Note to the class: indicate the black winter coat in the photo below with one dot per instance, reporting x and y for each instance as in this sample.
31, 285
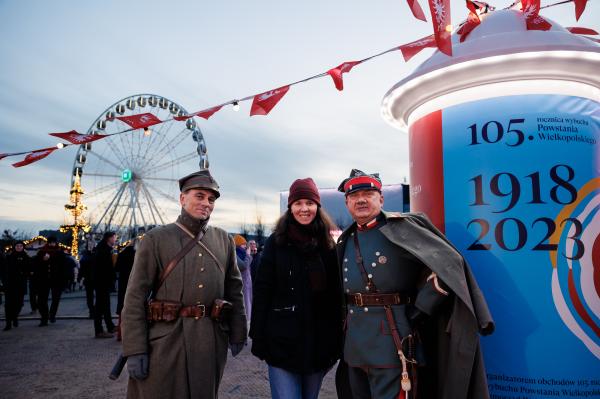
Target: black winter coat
296, 325
103, 272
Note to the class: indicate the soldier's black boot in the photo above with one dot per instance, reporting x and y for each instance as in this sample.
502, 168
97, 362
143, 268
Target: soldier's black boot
8, 325
16, 322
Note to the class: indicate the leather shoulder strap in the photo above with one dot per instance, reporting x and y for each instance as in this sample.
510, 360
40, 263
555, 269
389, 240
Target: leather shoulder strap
171, 265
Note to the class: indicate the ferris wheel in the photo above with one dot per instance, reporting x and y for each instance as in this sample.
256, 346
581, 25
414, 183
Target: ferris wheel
130, 179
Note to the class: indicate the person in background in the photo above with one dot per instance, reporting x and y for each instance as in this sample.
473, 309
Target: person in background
296, 322
50, 276
86, 263
243, 261
14, 281
255, 254
103, 279
123, 268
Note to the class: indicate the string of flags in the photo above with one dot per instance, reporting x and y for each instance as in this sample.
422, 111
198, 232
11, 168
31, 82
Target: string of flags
263, 103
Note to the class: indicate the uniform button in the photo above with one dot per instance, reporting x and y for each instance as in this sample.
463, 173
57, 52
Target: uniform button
345, 259
201, 269
367, 288
370, 276
373, 264
366, 309
377, 253
345, 269
345, 279
351, 311
292, 288
200, 285
200, 254
347, 289
352, 234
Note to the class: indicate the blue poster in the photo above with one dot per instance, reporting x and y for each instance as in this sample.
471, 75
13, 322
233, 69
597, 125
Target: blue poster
522, 200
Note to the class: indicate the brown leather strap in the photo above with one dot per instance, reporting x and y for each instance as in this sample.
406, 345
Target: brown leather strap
370, 285
171, 265
360, 299
196, 311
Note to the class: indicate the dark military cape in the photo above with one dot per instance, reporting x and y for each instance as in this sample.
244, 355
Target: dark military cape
460, 367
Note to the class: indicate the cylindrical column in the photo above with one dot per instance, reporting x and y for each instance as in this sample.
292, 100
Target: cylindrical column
505, 158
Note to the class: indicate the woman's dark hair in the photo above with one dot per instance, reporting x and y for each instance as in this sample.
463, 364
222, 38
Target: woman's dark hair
321, 226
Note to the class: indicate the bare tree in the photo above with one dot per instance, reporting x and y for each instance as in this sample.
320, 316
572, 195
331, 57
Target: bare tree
259, 230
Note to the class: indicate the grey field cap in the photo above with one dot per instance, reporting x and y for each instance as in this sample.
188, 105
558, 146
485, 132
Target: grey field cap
200, 179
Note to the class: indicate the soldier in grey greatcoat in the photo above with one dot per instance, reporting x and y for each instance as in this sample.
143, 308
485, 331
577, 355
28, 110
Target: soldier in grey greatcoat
414, 309
183, 357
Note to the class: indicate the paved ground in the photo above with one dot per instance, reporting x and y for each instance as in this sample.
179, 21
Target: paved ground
63, 360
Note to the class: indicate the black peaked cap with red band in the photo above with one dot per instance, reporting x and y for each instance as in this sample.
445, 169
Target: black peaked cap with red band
359, 180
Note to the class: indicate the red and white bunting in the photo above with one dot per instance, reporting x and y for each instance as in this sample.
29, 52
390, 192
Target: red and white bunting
263, 103
593, 39
416, 10
579, 8
479, 7
531, 10
411, 49
442, 24
470, 24
74, 137
581, 31
140, 121
337, 72
205, 113
35, 156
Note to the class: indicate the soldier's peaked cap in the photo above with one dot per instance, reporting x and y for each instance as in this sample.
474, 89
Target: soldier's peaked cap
359, 180
200, 179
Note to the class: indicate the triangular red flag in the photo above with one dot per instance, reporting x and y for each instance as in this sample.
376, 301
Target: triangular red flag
470, 24
416, 9
337, 72
479, 7
74, 137
531, 10
263, 103
442, 24
140, 121
34, 156
579, 8
581, 31
205, 113
411, 49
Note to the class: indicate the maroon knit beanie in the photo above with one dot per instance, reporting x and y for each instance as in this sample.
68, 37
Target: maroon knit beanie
304, 189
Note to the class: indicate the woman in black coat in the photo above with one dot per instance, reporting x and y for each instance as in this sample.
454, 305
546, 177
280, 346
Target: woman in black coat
296, 322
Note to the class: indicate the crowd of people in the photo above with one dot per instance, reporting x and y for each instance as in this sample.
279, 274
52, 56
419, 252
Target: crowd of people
391, 302
52, 271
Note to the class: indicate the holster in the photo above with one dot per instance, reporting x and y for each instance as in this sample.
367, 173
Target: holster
163, 310
221, 310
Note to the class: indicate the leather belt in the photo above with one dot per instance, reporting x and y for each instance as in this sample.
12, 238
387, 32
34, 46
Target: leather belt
196, 311
360, 299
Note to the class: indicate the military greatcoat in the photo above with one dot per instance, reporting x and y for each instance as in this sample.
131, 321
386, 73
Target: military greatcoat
186, 356
410, 242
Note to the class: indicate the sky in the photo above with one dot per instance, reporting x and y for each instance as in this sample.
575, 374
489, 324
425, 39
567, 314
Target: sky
65, 62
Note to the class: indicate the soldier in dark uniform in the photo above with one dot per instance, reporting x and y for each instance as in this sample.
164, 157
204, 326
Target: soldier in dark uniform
403, 281
50, 276
14, 280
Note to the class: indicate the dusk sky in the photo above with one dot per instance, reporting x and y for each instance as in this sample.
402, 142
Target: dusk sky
65, 62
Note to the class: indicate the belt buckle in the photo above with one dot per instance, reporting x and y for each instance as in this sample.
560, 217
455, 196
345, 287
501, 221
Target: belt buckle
202, 308
359, 299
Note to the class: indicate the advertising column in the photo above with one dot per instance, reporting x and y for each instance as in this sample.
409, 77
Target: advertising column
515, 183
